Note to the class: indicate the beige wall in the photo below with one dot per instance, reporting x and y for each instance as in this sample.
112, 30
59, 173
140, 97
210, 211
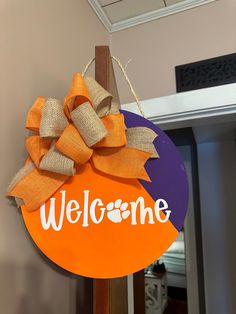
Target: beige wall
42, 44
157, 47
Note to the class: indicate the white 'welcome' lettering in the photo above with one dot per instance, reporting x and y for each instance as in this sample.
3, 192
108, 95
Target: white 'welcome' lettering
94, 211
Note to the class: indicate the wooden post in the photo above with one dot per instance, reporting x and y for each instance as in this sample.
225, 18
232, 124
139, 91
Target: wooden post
101, 296
104, 71
109, 295
139, 292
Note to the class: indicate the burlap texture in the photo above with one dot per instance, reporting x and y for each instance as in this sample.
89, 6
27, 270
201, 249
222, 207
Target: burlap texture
142, 138
72, 145
125, 162
115, 108
115, 125
78, 94
98, 133
34, 115
36, 187
37, 147
26, 169
54, 161
19, 202
53, 120
88, 124
100, 97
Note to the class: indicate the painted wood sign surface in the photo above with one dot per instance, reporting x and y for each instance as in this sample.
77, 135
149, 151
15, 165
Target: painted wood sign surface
117, 203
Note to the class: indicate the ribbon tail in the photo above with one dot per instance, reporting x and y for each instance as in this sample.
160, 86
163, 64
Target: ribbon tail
35, 186
142, 138
125, 162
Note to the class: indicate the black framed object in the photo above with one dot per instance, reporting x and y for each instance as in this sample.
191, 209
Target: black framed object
206, 73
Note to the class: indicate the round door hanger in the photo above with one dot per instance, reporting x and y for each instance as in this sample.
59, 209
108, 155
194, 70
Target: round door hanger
102, 226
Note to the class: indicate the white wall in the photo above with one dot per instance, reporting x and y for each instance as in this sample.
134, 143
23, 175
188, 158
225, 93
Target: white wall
217, 175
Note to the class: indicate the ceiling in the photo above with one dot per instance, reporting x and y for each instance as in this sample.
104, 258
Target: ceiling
120, 14
119, 10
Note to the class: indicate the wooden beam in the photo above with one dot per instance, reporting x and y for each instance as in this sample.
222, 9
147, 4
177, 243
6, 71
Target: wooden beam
84, 295
104, 71
139, 292
101, 296
109, 295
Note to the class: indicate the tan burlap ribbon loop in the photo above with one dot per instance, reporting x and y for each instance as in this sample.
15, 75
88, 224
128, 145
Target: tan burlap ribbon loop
100, 97
53, 120
88, 124
115, 108
54, 161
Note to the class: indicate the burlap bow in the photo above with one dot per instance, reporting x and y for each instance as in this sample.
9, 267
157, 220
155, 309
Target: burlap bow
89, 127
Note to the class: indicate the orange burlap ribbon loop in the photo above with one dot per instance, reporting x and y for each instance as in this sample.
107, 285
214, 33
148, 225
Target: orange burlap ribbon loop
88, 127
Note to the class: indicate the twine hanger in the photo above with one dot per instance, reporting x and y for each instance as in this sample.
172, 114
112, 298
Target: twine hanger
125, 76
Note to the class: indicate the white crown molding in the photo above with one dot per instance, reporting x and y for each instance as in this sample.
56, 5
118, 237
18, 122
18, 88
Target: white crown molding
101, 14
146, 17
189, 109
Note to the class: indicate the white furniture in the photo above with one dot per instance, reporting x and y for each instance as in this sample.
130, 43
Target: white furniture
174, 260
155, 293
190, 109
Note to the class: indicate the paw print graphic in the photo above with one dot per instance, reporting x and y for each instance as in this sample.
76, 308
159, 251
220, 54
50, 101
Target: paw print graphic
117, 211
